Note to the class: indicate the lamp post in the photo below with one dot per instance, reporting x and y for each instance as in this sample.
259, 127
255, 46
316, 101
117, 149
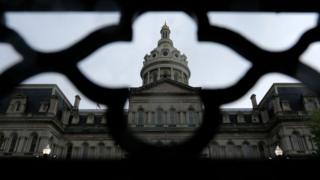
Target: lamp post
280, 154
278, 151
46, 151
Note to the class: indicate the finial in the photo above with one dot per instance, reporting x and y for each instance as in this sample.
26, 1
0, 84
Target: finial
165, 26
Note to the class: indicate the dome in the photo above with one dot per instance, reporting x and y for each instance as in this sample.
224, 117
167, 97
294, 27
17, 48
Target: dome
165, 61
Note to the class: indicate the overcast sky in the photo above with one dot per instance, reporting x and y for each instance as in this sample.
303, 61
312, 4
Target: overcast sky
119, 64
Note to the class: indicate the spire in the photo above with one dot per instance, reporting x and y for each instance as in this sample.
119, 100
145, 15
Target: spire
165, 35
165, 31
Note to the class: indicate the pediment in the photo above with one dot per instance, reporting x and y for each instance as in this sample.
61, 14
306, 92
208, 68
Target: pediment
166, 87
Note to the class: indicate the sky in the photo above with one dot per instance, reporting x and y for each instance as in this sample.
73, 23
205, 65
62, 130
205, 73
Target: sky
119, 64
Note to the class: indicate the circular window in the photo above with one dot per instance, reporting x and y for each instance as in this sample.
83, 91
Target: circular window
154, 55
176, 55
165, 53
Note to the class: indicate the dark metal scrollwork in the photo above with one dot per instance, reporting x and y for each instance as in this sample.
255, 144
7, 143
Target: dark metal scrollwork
65, 62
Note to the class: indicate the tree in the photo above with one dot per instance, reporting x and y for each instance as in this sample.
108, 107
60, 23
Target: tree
314, 124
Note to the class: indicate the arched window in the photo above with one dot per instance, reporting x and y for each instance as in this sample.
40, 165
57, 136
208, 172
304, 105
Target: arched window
230, 149
85, 150
140, 117
261, 146
101, 150
34, 140
176, 76
172, 117
154, 75
69, 150
215, 150
153, 118
160, 116
93, 152
108, 152
298, 141
1, 141
14, 138
247, 150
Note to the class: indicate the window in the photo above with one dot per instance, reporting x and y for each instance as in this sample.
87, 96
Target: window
34, 139
160, 116
230, 150
140, 117
85, 150
14, 138
69, 150
153, 118
215, 150
176, 76
192, 116
233, 118
101, 150
261, 149
133, 118
247, 150
298, 142
247, 118
154, 75
172, 117
92, 152
108, 151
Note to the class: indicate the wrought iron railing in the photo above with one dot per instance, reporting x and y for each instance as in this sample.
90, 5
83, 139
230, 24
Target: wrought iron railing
65, 61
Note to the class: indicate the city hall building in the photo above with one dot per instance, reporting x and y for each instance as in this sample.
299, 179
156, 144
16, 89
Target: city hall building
164, 110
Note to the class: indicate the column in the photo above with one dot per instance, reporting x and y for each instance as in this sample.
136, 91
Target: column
171, 72
158, 73
148, 77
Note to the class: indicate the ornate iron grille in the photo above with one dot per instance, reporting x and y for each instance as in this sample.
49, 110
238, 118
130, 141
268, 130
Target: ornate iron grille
65, 61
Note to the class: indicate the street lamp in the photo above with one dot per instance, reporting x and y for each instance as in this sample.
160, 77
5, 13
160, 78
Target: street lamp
46, 151
278, 151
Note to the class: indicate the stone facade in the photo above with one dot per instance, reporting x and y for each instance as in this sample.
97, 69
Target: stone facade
164, 110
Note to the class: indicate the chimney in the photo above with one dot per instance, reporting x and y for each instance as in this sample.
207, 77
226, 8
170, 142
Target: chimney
254, 101
76, 102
